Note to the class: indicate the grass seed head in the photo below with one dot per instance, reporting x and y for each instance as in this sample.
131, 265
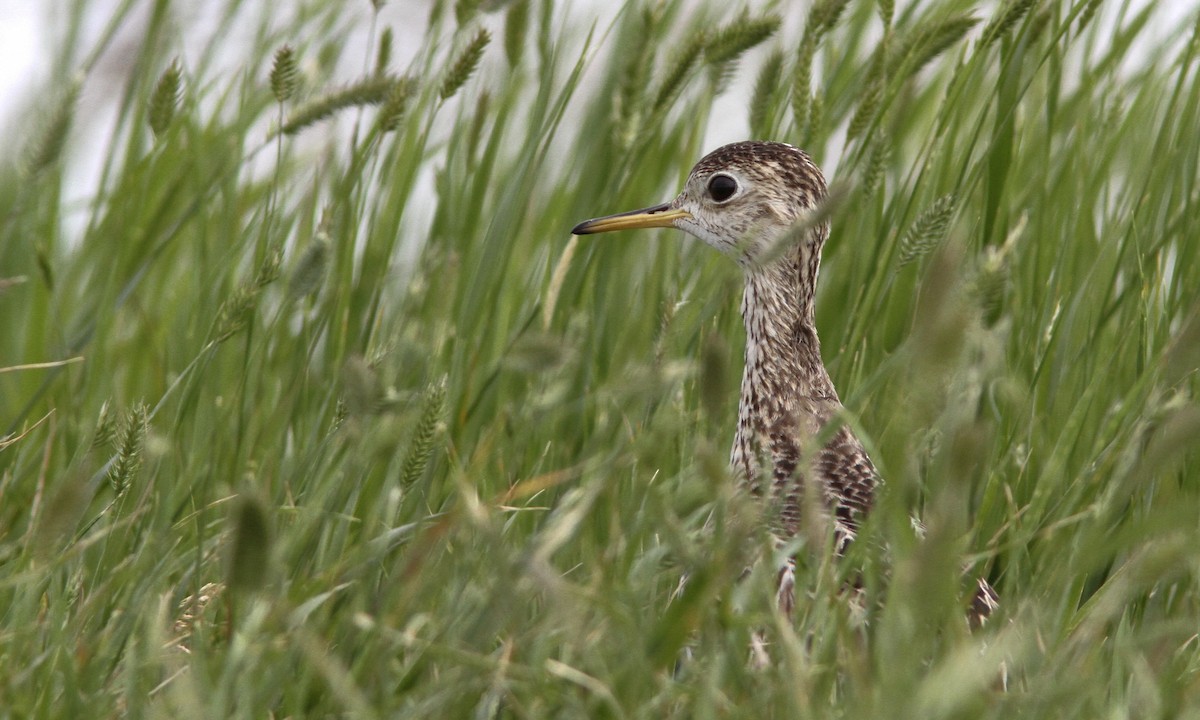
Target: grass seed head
285, 74
383, 56
739, 36
165, 99
395, 104
1011, 14
48, 145
868, 104
802, 81
309, 273
371, 91
927, 230
420, 448
766, 94
464, 64
516, 27
129, 454
106, 428
887, 10
825, 14
929, 40
679, 71
881, 152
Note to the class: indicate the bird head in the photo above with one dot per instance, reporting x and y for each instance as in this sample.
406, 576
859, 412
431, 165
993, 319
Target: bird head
753, 201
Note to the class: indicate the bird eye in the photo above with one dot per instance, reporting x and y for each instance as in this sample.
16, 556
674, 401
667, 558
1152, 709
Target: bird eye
721, 187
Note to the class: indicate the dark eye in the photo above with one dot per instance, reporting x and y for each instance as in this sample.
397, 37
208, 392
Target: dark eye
721, 187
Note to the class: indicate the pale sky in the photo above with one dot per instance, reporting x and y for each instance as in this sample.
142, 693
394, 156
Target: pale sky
24, 31
20, 27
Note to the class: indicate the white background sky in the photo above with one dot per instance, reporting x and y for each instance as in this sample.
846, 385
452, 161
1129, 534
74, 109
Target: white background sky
21, 22
26, 34
23, 33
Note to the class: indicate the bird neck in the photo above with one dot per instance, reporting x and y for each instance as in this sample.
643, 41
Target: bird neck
786, 392
783, 352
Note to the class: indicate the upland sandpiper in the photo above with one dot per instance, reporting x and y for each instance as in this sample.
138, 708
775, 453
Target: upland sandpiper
760, 204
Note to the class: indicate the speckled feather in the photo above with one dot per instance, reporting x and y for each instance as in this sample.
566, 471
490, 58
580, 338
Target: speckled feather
787, 396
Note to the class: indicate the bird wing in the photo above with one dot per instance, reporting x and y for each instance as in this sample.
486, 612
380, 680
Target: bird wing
849, 478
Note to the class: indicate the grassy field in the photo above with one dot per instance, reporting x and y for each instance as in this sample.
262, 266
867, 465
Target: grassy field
310, 406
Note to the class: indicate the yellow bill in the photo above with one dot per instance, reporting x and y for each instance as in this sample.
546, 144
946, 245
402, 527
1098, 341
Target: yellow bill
651, 217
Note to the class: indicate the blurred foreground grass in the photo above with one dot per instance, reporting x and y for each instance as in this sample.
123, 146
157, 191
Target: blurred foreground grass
339, 421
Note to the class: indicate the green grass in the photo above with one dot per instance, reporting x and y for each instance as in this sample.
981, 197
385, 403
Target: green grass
428, 457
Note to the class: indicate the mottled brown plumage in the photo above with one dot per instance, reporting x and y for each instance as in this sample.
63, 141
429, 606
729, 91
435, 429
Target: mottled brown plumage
755, 202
